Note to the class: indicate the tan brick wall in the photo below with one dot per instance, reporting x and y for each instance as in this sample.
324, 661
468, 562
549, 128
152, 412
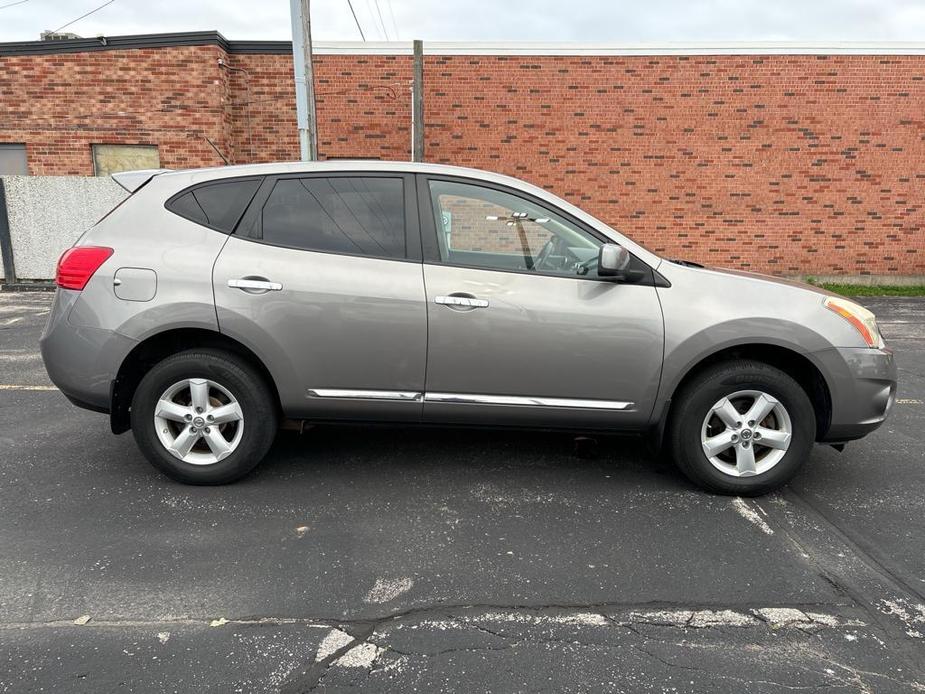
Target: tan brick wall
783, 164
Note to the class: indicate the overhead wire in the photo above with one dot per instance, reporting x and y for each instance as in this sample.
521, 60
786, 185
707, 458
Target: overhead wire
94, 10
355, 19
381, 22
394, 23
12, 4
372, 15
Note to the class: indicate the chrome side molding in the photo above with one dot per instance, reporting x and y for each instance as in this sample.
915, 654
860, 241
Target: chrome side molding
527, 401
469, 398
406, 395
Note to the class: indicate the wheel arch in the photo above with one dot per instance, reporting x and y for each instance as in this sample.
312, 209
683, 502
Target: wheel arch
797, 364
157, 347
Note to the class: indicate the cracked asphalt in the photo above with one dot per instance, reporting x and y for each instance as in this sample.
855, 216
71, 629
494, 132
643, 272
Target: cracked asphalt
373, 559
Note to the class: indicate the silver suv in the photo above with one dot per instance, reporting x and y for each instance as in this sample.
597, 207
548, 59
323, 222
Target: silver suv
213, 304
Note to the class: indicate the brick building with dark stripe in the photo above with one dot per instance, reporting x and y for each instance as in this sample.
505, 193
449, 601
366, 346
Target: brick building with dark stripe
786, 159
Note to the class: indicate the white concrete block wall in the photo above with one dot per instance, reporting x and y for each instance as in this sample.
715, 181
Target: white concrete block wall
47, 214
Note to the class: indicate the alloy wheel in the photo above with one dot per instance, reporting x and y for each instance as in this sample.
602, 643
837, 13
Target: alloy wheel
746, 433
199, 421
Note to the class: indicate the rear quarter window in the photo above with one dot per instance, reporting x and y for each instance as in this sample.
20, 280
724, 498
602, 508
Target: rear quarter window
216, 205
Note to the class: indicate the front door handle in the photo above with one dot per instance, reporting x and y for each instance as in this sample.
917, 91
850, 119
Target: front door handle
255, 284
463, 301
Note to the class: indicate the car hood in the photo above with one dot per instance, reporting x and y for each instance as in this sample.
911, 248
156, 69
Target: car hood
758, 277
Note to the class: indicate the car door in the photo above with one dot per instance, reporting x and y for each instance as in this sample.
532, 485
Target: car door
322, 280
521, 329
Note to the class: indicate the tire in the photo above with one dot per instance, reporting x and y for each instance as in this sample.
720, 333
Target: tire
696, 426
163, 413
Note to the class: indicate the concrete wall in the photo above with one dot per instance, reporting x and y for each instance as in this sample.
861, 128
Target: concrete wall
47, 214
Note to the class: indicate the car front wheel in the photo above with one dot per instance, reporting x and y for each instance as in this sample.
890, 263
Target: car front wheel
203, 417
742, 427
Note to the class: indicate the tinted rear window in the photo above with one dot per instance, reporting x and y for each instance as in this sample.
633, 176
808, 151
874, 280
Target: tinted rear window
360, 215
217, 205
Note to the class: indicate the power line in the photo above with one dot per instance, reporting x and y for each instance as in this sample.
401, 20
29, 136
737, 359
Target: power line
352, 11
11, 4
381, 23
372, 16
394, 24
97, 9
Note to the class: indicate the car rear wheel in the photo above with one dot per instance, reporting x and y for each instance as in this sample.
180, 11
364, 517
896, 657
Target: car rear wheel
203, 417
742, 427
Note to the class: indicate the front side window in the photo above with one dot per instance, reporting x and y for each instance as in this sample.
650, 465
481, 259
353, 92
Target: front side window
359, 215
484, 227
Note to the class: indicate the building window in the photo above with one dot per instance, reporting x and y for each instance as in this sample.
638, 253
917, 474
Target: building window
110, 159
13, 160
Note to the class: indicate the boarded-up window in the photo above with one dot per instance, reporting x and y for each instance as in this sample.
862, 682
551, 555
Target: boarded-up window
110, 159
13, 160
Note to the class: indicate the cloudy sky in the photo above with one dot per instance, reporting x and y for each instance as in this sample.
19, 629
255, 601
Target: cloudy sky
500, 20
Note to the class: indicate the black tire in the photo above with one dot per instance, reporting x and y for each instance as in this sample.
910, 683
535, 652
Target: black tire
697, 397
240, 379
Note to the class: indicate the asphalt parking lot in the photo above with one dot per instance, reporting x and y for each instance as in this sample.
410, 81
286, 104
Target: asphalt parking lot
376, 559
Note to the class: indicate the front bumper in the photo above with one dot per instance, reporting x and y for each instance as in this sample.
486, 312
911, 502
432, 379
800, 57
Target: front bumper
862, 384
81, 361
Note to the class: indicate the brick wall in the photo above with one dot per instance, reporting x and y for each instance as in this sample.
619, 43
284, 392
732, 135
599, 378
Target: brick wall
783, 164
787, 164
363, 106
60, 104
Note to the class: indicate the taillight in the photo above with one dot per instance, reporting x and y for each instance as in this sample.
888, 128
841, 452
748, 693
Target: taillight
78, 264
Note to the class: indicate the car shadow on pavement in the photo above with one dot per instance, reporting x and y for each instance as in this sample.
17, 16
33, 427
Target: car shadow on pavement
368, 449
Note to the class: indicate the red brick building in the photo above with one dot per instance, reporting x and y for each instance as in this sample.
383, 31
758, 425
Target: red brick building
790, 160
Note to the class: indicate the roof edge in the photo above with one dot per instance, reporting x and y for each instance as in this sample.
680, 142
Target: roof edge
474, 48
104, 43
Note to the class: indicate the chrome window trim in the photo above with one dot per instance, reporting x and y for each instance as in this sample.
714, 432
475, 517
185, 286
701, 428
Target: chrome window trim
478, 399
404, 395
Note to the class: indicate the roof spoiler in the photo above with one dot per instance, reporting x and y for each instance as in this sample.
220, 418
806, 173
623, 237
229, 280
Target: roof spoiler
133, 180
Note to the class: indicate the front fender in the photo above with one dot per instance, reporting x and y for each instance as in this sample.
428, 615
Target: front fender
708, 311
684, 355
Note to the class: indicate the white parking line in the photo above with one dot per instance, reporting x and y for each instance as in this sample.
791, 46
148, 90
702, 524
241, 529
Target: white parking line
21, 356
16, 386
748, 513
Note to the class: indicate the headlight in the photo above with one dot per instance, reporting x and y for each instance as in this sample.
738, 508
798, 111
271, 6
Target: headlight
863, 320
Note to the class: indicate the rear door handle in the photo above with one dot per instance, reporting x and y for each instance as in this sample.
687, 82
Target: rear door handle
460, 301
253, 284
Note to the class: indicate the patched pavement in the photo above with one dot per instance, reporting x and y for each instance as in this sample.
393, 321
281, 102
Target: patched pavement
377, 559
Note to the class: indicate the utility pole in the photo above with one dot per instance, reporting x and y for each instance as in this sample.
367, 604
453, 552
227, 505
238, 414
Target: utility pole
417, 103
304, 78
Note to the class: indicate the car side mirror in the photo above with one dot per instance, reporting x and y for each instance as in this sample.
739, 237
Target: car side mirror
613, 261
